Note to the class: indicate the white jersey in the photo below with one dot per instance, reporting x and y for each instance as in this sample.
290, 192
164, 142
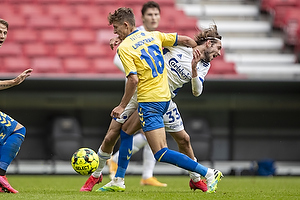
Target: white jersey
178, 62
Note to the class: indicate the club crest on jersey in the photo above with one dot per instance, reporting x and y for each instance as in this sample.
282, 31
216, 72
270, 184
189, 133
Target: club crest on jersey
178, 69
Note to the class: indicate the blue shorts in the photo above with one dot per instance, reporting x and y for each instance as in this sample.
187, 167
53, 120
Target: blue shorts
151, 114
7, 126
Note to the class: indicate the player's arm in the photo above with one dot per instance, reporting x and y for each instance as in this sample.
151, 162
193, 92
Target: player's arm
196, 81
186, 41
130, 87
16, 81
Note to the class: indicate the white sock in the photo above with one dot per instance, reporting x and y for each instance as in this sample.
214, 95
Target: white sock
194, 175
148, 162
103, 157
210, 172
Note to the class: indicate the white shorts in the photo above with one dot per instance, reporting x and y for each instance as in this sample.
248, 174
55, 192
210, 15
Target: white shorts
130, 108
172, 118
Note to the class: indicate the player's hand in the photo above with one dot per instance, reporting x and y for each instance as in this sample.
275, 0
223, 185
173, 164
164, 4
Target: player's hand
196, 57
19, 79
114, 42
116, 112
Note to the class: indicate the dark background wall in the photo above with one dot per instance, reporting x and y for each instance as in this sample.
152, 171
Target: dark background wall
247, 120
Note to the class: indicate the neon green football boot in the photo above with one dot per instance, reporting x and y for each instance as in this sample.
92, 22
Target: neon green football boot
116, 185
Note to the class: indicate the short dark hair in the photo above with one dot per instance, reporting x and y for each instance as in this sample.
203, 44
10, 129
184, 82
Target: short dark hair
121, 15
2, 21
150, 4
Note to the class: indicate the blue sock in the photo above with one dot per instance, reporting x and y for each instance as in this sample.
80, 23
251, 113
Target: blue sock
125, 153
180, 160
11, 147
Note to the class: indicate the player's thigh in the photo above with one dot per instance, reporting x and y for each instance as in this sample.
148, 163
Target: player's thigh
156, 139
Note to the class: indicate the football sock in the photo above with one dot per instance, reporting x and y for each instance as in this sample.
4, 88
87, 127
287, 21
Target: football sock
11, 147
139, 141
180, 160
194, 175
125, 153
103, 157
148, 162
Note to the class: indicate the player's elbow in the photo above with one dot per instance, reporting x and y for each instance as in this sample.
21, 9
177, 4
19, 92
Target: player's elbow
197, 93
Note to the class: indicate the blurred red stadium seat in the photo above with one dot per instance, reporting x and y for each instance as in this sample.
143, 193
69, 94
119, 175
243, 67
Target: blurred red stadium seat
71, 22
269, 5
47, 65
42, 22
98, 21
95, 50
104, 35
30, 9
59, 10
66, 50
15, 21
89, 10
83, 36
222, 67
106, 2
7, 9
16, 64
25, 36
105, 65
36, 49
53, 36
76, 1
50, 1
77, 65
10, 49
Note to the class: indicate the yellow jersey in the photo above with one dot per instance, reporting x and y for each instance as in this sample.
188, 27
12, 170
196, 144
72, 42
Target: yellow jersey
141, 54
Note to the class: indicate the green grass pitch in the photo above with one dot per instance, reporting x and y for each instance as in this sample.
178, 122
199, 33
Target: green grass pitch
65, 187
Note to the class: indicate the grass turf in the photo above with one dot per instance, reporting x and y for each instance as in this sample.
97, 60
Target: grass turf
56, 187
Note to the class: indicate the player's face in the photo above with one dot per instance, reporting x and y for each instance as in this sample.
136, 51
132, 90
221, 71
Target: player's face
212, 51
151, 19
3, 34
122, 29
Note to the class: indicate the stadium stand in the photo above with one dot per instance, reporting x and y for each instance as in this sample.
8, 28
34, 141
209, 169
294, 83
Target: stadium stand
64, 27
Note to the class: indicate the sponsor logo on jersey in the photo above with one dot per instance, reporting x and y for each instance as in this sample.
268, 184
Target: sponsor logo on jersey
178, 69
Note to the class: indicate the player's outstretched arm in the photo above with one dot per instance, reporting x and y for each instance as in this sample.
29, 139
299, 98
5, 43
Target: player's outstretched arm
16, 81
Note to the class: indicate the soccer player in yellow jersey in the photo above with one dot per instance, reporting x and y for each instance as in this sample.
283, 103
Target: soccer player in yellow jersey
141, 56
12, 133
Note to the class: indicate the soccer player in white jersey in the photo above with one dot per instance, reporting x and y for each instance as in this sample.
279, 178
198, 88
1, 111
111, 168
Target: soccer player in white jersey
150, 17
183, 66
12, 133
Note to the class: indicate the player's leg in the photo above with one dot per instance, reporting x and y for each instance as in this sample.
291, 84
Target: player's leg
156, 138
139, 141
148, 167
9, 148
104, 153
106, 148
174, 126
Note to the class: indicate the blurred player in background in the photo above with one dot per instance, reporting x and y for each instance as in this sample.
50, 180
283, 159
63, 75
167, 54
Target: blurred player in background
150, 17
183, 66
12, 133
